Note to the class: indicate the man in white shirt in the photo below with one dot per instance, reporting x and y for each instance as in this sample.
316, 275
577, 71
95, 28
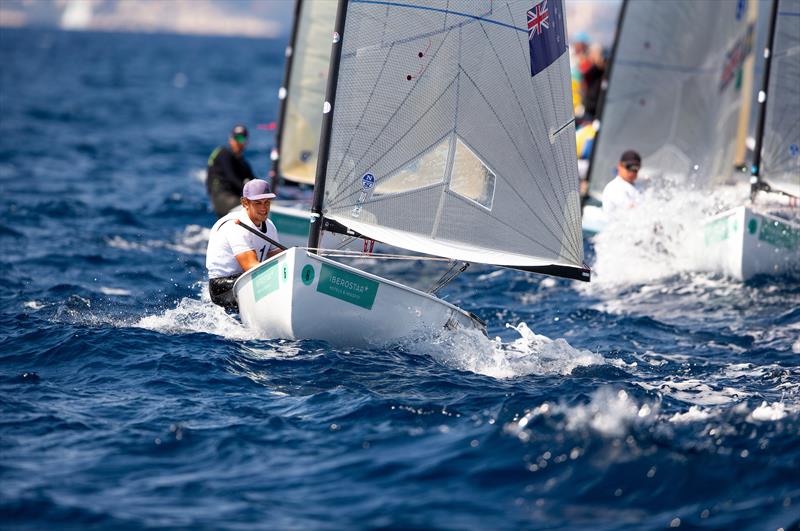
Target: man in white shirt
233, 249
621, 193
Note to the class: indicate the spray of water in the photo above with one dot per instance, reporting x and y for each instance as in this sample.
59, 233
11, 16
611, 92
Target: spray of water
530, 354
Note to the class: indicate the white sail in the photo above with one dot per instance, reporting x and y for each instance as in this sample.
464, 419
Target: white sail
675, 93
449, 139
780, 153
306, 91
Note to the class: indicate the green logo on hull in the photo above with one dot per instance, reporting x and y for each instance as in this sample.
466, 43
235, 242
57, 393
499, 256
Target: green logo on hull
265, 280
347, 286
779, 234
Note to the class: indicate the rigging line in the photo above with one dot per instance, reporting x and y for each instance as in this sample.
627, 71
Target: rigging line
440, 10
448, 276
397, 110
573, 239
522, 157
416, 37
666, 67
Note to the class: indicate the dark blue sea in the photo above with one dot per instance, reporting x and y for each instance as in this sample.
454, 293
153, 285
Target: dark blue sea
128, 400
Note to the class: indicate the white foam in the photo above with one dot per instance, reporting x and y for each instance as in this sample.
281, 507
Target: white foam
192, 240
659, 238
34, 305
768, 412
694, 391
192, 315
530, 354
114, 291
695, 414
610, 413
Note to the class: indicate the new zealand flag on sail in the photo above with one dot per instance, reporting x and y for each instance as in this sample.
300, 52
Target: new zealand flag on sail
546, 35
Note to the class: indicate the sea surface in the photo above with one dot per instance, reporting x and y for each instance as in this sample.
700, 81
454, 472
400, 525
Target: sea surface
655, 397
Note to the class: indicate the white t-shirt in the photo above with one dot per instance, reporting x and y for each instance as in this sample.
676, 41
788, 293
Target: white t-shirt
619, 195
228, 239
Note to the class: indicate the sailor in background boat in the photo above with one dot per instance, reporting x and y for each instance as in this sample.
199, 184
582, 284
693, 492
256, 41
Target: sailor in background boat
233, 249
621, 193
228, 171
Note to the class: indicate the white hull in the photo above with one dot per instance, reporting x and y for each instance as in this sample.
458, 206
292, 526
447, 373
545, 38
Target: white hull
743, 243
299, 295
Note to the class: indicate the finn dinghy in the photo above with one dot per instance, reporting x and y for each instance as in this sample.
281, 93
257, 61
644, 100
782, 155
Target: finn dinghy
685, 104
447, 132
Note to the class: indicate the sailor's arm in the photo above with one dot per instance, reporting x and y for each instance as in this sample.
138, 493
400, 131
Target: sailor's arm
247, 260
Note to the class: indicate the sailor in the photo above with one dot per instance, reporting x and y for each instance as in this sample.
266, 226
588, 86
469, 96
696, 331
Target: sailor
232, 249
228, 171
621, 193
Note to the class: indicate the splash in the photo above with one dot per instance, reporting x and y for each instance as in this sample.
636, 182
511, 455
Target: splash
661, 237
200, 316
609, 413
530, 354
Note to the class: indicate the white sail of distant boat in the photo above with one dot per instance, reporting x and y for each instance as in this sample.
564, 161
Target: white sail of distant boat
780, 150
77, 15
447, 131
308, 60
294, 157
675, 93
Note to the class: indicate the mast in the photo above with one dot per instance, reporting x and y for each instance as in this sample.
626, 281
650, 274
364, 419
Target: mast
603, 90
275, 155
756, 183
327, 125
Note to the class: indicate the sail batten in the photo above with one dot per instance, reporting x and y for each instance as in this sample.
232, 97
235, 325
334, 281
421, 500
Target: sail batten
456, 125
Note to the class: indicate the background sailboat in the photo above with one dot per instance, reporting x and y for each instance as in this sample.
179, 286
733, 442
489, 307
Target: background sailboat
684, 104
447, 132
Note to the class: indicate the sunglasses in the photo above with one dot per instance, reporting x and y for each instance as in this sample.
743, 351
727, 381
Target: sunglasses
632, 167
241, 139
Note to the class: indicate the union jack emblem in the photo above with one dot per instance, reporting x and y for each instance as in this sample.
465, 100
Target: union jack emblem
537, 19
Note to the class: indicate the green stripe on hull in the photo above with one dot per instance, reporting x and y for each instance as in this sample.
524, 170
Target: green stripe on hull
779, 234
294, 225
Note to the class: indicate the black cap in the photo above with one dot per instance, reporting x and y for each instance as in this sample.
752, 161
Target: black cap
239, 130
630, 156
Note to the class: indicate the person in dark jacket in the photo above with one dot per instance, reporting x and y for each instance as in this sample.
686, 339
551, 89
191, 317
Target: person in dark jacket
228, 171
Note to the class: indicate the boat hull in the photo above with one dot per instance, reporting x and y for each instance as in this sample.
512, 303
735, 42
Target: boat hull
300, 295
743, 243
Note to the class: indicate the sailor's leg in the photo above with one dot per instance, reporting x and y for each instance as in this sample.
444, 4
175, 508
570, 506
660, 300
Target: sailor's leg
221, 291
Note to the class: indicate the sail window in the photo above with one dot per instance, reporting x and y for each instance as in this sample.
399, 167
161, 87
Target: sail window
426, 170
471, 178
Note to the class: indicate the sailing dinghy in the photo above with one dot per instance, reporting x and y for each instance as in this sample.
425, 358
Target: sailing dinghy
684, 105
447, 132
763, 235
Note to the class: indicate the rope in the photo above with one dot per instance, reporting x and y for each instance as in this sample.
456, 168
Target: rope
448, 276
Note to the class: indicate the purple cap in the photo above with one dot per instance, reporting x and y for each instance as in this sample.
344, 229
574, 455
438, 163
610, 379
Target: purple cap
257, 189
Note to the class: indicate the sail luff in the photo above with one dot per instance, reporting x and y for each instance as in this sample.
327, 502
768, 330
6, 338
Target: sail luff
779, 167
601, 101
282, 94
327, 126
756, 180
